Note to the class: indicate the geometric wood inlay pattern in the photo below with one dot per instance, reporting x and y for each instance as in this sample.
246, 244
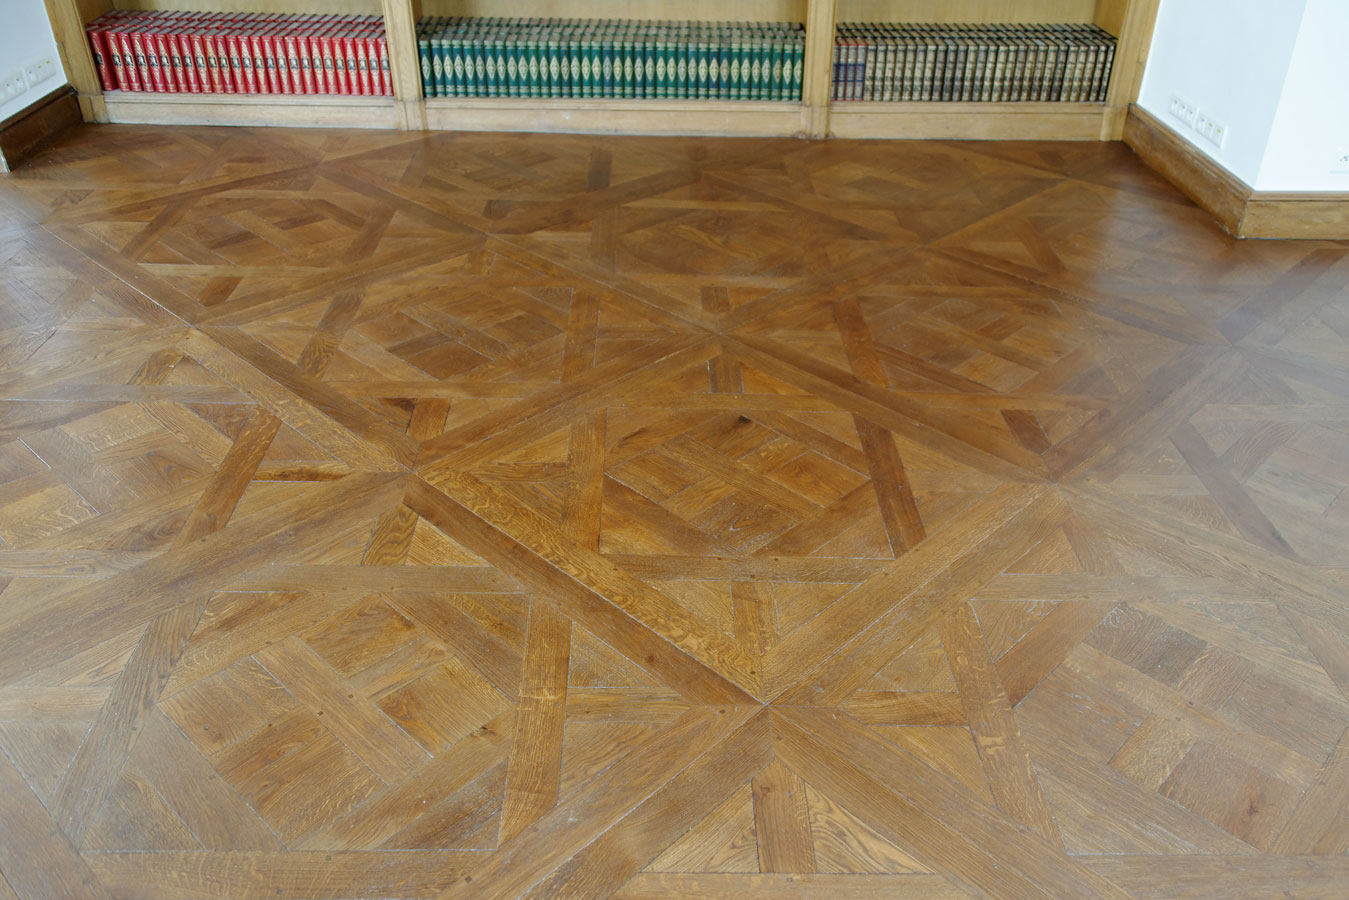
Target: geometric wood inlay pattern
495, 516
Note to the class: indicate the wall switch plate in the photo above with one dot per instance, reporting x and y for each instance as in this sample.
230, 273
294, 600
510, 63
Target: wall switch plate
1210, 129
39, 70
1183, 109
12, 84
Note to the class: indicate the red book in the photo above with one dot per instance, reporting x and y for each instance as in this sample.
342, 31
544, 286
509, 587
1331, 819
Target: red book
102, 58
235, 52
363, 64
200, 63
303, 44
246, 72
259, 61
120, 64
269, 62
326, 54
184, 42
214, 61
385, 74
351, 82
294, 77
167, 74
142, 61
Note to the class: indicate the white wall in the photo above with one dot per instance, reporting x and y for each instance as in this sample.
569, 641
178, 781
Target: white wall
26, 35
1273, 72
1311, 130
1228, 57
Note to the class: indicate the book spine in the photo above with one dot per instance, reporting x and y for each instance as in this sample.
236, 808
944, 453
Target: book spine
346, 65
183, 41
152, 64
306, 62
230, 60
170, 61
258, 53
1107, 67
196, 42
424, 65
98, 43
369, 68
120, 77
147, 80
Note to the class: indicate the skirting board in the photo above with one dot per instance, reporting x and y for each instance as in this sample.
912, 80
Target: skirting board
31, 128
1242, 211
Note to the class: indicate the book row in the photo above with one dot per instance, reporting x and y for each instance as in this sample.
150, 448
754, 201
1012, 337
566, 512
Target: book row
989, 63
499, 57
240, 53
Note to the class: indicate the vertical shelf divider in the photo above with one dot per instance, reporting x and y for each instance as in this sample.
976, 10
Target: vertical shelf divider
400, 33
818, 77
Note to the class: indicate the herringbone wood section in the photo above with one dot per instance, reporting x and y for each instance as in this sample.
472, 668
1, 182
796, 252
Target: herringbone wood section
404, 516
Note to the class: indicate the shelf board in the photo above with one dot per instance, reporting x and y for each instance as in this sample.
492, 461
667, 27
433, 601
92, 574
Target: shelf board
972, 121
291, 110
738, 118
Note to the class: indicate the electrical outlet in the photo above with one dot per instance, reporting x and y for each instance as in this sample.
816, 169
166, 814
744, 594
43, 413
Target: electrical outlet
39, 70
12, 84
1341, 164
1211, 130
1183, 109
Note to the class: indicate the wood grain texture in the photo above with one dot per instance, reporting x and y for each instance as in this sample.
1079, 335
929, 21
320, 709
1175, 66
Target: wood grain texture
393, 516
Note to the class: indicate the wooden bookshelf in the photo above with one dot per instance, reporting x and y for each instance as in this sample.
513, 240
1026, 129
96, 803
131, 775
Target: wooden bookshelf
1131, 21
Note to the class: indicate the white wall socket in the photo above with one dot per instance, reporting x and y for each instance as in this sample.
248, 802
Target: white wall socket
1341, 165
1213, 131
1183, 109
12, 84
39, 70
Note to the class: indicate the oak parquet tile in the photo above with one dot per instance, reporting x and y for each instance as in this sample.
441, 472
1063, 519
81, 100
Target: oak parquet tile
506, 515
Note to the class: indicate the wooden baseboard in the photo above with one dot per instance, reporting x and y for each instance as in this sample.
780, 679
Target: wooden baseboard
1242, 211
31, 128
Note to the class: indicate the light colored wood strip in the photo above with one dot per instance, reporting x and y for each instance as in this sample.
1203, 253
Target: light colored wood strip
391, 538
1164, 877
899, 509
1006, 760
582, 505
536, 755
278, 876
82, 790
782, 821
905, 708
227, 485
671, 643
680, 886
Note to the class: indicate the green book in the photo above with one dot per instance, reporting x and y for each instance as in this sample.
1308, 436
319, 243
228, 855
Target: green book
798, 65
777, 70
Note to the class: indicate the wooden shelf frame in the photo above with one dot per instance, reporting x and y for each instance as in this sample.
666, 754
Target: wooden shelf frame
1132, 21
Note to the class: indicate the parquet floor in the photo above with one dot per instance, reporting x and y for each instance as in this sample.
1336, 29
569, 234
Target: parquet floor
400, 516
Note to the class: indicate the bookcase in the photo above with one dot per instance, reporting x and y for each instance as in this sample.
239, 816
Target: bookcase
1130, 21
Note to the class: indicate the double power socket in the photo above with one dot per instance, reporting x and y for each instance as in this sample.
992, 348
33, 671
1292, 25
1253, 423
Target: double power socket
1208, 128
34, 72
